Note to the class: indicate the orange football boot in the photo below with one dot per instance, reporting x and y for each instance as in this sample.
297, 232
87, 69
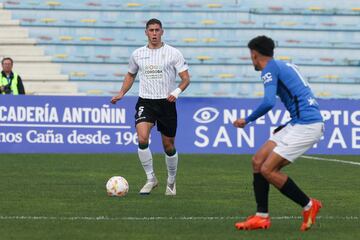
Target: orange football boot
253, 223
310, 215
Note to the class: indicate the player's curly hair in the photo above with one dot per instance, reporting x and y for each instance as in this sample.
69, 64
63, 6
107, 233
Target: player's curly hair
262, 44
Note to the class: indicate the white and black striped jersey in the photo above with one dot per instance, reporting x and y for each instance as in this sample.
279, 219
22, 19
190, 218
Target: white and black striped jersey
157, 70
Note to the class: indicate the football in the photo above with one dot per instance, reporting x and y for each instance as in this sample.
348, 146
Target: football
117, 186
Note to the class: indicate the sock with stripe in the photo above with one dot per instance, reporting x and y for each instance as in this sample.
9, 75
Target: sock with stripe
145, 157
171, 164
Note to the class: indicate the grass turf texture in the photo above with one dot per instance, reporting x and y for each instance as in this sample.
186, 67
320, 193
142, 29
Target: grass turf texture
61, 187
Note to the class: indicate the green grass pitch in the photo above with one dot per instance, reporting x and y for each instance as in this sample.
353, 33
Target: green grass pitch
64, 197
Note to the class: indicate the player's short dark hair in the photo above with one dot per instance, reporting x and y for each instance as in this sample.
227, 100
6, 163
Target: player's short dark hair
7, 58
262, 44
153, 21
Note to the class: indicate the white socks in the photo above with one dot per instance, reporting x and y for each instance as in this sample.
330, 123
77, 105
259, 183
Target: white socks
308, 206
263, 215
145, 157
171, 163
146, 161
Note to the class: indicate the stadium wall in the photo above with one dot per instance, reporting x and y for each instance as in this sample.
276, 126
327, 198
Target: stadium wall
64, 124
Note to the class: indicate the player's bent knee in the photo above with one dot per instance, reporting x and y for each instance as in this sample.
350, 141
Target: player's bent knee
168, 144
265, 171
257, 163
169, 148
143, 141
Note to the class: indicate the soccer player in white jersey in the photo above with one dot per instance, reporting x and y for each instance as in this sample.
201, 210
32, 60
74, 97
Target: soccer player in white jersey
157, 65
289, 142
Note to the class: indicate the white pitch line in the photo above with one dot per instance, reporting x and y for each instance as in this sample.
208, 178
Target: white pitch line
331, 160
105, 218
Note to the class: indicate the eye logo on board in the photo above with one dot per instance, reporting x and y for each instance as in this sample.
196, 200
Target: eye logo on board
206, 115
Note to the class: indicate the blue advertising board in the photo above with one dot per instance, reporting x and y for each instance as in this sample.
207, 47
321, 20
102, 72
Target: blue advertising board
77, 124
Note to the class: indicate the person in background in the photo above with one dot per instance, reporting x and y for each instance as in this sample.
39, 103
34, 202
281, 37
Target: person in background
10, 82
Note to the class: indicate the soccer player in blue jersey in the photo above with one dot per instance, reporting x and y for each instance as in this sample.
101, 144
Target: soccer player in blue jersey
288, 142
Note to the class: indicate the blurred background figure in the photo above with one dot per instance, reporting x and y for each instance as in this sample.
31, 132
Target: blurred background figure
10, 82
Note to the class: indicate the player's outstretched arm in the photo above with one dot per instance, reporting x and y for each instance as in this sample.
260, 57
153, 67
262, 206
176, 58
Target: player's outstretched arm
185, 81
127, 83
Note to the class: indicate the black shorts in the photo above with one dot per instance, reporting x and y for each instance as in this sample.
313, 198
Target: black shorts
161, 112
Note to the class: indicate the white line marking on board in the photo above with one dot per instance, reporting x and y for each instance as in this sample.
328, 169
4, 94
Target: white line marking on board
199, 218
331, 160
61, 126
